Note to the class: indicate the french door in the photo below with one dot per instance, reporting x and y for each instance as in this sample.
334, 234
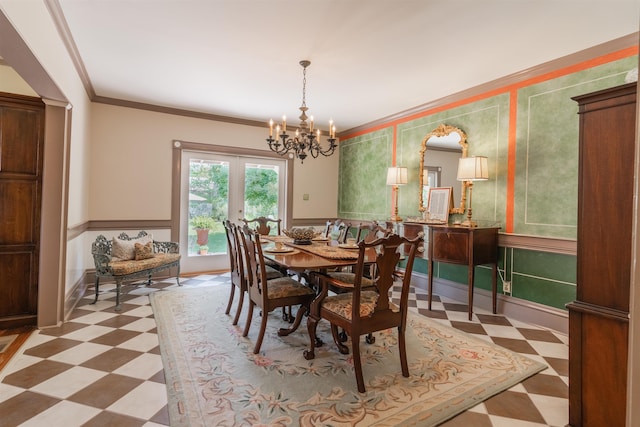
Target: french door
215, 187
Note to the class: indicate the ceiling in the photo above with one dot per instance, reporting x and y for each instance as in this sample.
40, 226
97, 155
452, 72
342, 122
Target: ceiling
370, 59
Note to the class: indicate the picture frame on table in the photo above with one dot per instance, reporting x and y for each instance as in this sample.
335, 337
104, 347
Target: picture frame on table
440, 203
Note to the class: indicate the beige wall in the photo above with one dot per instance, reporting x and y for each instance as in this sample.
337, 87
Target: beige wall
130, 174
11, 82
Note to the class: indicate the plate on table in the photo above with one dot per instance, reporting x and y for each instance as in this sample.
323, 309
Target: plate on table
282, 250
320, 239
348, 246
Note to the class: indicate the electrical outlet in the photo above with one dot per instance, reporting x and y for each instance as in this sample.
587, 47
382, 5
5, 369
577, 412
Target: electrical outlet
506, 287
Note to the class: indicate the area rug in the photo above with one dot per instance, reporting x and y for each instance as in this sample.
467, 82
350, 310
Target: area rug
214, 379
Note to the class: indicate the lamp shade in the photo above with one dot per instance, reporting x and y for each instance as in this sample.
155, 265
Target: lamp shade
397, 176
473, 169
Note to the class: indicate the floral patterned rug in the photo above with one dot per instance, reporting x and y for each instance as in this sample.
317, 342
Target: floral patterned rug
214, 379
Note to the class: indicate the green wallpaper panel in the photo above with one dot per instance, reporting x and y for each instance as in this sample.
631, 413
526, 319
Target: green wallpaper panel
363, 191
546, 166
545, 201
486, 124
542, 277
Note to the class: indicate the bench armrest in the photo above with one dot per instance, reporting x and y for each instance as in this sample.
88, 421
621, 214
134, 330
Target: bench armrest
165, 247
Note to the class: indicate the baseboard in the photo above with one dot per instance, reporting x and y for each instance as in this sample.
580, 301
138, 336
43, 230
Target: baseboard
514, 308
77, 292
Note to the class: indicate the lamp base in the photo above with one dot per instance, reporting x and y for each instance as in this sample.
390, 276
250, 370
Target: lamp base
395, 218
469, 223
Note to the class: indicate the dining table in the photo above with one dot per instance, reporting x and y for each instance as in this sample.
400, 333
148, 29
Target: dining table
318, 255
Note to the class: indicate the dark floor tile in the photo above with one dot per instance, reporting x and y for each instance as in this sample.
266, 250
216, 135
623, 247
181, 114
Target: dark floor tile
109, 419
79, 312
105, 391
468, 419
492, 319
49, 348
449, 306
434, 314
36, 373
161, 417
519, 346
19, 408
111, 359
124, 308
561, 366
65, 328
515, 405
118, 321
115, 337
469, 327
539, 335
158, 377
425, 297
548, 385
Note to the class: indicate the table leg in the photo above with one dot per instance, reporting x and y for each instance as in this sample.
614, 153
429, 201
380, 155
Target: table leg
470, 281
430, 273
494, 287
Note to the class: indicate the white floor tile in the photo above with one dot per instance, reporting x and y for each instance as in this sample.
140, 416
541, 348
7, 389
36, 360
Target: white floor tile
65, 413
8, 391
68, 382
143, 342
96, 317
144, 366
549, 349
143, 402
141, 325
554, 409
143, 311
80, 353
88, 333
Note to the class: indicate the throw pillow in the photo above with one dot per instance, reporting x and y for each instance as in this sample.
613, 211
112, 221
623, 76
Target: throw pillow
124, 250
143, 251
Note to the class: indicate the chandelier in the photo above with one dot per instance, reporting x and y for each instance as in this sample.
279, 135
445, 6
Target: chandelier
306, 140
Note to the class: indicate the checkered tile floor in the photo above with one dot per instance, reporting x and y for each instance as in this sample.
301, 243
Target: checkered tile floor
103, 368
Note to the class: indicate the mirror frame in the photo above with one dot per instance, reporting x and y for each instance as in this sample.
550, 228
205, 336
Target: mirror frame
444, 130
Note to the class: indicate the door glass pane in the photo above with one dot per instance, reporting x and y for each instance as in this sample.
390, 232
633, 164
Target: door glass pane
208, 206
261, 189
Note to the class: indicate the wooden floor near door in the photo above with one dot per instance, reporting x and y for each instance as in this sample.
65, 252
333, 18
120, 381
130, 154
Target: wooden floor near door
9, 346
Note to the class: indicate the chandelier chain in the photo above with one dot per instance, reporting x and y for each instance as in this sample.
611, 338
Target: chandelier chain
304, 86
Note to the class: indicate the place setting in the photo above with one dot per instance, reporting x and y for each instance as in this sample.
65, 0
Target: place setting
349, 244
278, 248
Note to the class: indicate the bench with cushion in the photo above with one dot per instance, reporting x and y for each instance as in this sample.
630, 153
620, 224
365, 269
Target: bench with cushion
125, 258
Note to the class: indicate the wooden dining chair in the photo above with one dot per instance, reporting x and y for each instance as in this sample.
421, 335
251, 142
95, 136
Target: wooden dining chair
238, 269
270, 294
263, 224
337, 230
363, 311
238, 279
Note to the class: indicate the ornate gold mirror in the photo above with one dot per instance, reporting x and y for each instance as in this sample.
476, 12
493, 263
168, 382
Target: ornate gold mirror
446, 139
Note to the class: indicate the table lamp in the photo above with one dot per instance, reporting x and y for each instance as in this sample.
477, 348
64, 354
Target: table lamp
396, 176
472, 169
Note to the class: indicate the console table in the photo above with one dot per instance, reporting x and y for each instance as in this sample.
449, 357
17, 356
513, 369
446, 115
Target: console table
466, 246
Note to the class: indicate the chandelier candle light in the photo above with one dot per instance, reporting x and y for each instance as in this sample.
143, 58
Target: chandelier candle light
306, 141
396, 176
472, 169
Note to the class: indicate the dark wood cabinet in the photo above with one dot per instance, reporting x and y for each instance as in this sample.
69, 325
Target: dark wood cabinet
599, 317
466, 246
21, 157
